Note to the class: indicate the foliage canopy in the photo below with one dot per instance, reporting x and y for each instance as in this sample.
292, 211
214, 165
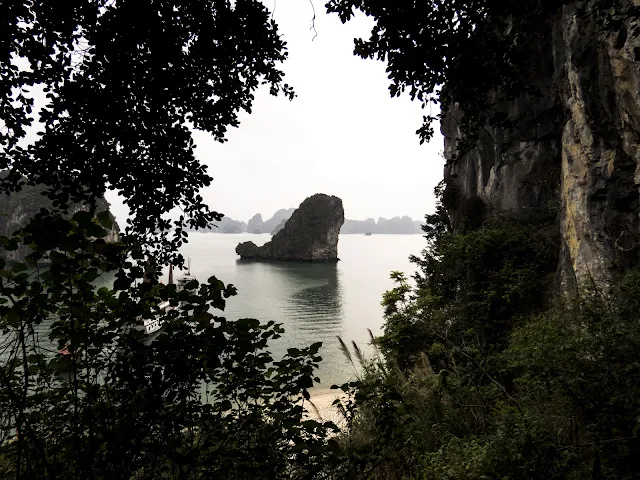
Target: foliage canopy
82, 393
456, 50
486, 376
124, 80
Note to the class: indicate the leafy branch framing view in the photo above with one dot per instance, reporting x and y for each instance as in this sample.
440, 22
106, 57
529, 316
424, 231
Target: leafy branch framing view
481, 373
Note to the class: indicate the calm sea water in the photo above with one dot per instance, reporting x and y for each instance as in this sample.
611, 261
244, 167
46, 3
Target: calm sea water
316, 302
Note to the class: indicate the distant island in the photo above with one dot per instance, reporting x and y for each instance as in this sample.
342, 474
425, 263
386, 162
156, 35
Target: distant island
310, 234
397, 225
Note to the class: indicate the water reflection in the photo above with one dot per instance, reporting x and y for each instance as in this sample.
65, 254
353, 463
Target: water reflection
305, 297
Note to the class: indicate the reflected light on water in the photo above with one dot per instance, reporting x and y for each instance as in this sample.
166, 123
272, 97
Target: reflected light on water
316, 302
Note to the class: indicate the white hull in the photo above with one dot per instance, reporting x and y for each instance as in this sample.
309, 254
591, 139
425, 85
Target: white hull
152, 325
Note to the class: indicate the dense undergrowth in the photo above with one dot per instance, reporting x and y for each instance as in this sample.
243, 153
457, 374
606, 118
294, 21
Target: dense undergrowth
483, 372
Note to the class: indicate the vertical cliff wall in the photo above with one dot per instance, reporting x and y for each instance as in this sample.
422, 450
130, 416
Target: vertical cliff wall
598, 73
573, 146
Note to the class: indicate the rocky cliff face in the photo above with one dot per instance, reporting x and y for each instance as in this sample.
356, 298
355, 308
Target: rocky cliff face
17, 209
600, 85
575, 147
311, 234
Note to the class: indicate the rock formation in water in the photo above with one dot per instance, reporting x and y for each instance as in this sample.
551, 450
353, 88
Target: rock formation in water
311, 234
228, 225
18, 208
359, 226
282, 214
279, 227
576, 145
255, 224
397, 225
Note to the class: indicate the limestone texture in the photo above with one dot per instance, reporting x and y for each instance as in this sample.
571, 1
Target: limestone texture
575, 147
17, 209
311, 234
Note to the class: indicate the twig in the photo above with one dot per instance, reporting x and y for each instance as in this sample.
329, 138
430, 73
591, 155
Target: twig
313, 21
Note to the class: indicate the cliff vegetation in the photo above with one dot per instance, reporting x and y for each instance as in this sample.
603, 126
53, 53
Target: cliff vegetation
19, 208
512, 353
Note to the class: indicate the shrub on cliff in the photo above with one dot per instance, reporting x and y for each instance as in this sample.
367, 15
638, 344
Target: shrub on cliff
484, 377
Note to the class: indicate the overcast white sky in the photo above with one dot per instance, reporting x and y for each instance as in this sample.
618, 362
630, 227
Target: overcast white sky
343, 135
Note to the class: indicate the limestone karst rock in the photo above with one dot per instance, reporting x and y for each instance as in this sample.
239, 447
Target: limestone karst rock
359, 226
255, 224
17, 209
396, 225
311, 234
229, 225
279, 227
283, 214
575, 144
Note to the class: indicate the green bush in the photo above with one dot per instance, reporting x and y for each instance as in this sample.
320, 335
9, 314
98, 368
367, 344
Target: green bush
205, 399
485, 374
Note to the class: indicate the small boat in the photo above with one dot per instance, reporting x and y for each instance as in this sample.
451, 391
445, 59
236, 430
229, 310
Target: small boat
152, 325
184, 279
368, 234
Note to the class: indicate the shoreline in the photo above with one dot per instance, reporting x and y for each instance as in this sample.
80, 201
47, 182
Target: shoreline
322, 399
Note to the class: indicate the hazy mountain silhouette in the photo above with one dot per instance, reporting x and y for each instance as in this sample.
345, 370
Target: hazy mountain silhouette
397, 225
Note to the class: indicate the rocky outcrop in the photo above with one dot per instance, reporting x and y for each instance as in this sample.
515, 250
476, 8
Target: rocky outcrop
600, 88
575, 145
228, 225
507, 168
396, 225
17, 209
311, 234
281, 215
255, 225
279, 227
